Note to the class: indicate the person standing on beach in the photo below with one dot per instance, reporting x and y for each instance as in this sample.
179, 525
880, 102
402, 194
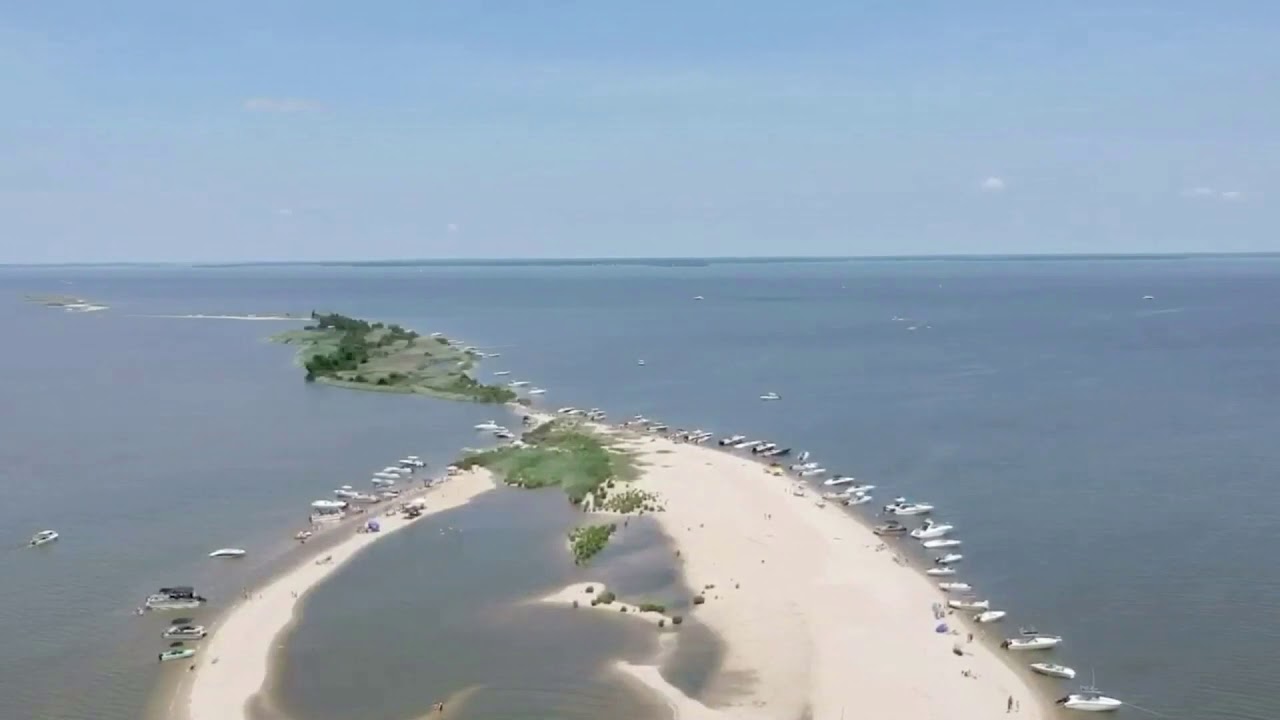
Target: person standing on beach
1008, 708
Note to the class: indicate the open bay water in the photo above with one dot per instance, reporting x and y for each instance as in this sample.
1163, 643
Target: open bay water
1108, 461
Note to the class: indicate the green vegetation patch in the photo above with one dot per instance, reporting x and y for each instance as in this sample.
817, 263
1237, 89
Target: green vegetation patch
354, 353
631, 500
588, 540
557, 453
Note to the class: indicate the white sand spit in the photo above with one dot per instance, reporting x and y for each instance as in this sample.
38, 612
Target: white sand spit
232, 664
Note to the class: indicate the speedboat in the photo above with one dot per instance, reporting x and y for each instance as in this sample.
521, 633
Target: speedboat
177, 653
799, 467
839, 480
1089, 700
185, 632
1052, 670
813, 471
412, 461
182, 597
771, 396
384, 475
503, 434
345, 492
732, 440
518, 383
228, 553
763, 448
859, 489
893, 527
954, 587
1032, 642
931, 530
940, 571
908, 508
777, 452
746, 444
383, 482
857, 500
948, 559
640, 362
940, 543
537, 391
990, 616
488, 425
979, 605
502, 373
42, 537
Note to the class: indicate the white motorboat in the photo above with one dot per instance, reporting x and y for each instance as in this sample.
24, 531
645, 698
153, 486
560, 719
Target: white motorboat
640, 362
503, 434
811, 472
979, 605
174, 598
803, 456
990, 616
954, 587
940, 571
384, 475
228, 553
328, 505
185, 632
931, 530
948, 559
538, 391
502, 373
859, 489
732, 440
412, 461
747, 444
771, 396
839, 480
518, 383
43, 537
908, 508
1053, 670
1032, 642
763, 448
383, 482
804, 466
1088, 699
177, 653
940, 543
488, 425
345, 492
855, 500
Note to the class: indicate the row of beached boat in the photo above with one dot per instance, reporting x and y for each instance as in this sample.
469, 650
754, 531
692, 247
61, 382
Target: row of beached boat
932, 535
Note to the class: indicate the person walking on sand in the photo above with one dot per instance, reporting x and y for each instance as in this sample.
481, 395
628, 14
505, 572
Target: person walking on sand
1008, 708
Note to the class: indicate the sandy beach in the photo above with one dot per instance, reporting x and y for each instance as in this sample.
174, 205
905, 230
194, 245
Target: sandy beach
818, 618
232, 663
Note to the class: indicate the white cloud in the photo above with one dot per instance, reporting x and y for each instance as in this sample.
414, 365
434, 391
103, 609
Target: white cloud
280, 105
992, 184
1208, 192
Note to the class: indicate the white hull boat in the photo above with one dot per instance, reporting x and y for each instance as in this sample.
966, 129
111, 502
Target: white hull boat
839, 480
803, 456
537, 391
43, 537
804, 466
954, 587
502, 373
942, 543
908, 509
518, 383
488, 425
940, 571
1033, 642
771, 396
990, 616
176, 654
931, 530
732, 440
185, 632
1089, 700
747, 444
948, 559
855, 500
383, 482
228, 553
979, 605
1052, 670
811, 472
859, 489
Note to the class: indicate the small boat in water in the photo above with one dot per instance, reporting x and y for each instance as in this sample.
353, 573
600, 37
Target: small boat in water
948, 559
43, 537
859, 489
803, 456
990, 616
185, 631
1088, 699
488, 425
777, 452
228, 553
954, 587
1053, 670
1032, 642
893, 527
731, 440
763, 448
931, 530
747, 444
908, 508
177, 653
518, 384
979, 605
537, 391
940, 571
940, 543
771, 396
502, 373
857, 500
840, 480
182, 597
811, 472
802, 466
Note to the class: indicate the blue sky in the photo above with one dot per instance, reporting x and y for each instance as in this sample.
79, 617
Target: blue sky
173, 131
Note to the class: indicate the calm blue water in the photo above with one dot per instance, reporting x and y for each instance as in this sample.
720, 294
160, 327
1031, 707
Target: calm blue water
1108, 459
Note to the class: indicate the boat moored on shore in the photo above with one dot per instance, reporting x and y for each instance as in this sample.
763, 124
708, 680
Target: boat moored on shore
990, 616
931, 530
185, 631
176, 653
1032, 642
902, 507
980, 605
1088, 699
1054, 670
181, 597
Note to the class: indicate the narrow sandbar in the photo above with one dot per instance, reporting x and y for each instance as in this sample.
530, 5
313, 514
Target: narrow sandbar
232, 664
